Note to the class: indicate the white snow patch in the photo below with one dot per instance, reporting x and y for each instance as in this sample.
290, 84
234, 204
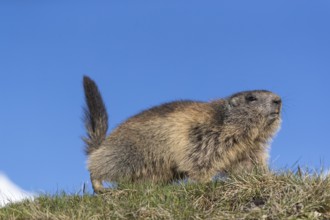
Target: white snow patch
11, 193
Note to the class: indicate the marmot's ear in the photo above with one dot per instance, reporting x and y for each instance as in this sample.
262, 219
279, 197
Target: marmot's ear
234, 101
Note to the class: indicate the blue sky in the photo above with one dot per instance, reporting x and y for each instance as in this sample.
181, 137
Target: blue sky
143, 53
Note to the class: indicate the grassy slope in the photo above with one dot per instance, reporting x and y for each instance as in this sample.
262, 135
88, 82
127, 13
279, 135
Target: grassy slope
249, 196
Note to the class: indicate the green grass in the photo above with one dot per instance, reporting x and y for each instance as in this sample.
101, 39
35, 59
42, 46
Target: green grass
284, 195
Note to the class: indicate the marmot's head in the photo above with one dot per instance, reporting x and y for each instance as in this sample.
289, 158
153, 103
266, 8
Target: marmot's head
265, 103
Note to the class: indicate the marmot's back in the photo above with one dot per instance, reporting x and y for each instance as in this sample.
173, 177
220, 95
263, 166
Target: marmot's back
150, 145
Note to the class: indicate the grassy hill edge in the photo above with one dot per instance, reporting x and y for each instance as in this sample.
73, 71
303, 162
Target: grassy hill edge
281, 195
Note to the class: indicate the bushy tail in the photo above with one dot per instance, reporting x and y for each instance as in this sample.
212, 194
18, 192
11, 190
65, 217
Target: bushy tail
95, 116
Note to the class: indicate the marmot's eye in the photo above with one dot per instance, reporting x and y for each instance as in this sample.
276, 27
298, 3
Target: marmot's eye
251, 98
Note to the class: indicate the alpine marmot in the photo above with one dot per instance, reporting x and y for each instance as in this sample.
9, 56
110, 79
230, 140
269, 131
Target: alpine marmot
180, 139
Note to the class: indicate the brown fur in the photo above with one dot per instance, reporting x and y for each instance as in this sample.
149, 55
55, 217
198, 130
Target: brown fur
181, 139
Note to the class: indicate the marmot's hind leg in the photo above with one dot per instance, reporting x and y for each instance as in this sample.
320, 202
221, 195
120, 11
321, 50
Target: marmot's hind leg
98, 186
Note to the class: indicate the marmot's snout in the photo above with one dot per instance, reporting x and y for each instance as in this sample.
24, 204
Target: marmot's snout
276, 105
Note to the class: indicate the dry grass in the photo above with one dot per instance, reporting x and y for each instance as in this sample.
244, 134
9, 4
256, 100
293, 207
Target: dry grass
284, 195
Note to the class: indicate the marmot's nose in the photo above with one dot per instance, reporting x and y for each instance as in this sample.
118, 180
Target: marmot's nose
277, 102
